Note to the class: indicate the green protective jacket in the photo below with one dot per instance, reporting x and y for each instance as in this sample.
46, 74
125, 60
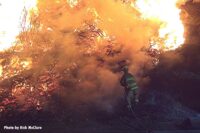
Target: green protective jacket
128, 81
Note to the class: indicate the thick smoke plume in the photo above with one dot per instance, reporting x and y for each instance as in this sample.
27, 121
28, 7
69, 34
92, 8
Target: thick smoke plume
76, 52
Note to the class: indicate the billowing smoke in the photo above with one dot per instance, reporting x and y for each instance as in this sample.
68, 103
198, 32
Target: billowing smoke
77, 50
82, 47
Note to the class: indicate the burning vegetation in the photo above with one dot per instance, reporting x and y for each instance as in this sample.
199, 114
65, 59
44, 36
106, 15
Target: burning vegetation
72, 48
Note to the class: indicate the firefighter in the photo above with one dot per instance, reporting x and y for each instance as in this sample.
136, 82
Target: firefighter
130, 85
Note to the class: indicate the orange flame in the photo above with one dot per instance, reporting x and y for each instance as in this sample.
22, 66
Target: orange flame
166, 12
10, 14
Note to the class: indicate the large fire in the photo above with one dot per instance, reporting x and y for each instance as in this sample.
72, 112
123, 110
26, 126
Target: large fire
170, 34
167, 13
32, 76
12, 15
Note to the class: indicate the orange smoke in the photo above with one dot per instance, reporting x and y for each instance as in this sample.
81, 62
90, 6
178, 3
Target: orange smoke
164, 12
80, 42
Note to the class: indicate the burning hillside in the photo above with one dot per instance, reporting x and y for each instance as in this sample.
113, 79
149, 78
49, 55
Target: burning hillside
74, 44
73, 49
